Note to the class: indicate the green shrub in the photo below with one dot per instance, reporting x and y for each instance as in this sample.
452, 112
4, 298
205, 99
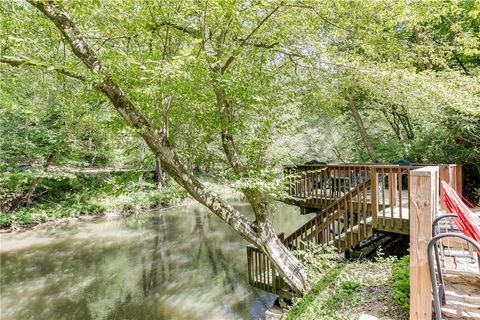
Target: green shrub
401, 280
5, 220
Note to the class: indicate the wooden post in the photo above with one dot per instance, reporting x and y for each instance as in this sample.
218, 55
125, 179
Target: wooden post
444, 173
374, 196
453, 175
393, 185
422, 209
458, 183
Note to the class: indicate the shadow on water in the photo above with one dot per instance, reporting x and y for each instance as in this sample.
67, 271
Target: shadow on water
181, 263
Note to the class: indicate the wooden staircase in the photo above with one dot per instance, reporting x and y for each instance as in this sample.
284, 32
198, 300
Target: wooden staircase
343, 224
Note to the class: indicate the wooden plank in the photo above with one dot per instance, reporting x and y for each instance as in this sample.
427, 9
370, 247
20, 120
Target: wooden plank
393, 185
249, 264
382, 174
423, 186
364, 209
391, 200
374, 196
400, 204
444, 174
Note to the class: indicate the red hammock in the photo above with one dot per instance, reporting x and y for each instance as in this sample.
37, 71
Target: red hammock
466, 220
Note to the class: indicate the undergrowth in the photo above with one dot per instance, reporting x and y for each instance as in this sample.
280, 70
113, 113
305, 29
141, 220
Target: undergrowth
401, 280
72, 195
345, 289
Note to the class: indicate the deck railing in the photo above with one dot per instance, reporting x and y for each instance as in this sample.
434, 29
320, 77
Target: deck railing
262, 273
390, 197
322, 183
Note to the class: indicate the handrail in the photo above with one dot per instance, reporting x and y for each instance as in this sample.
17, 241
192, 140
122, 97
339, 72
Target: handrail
431, 263
413, 166
325, 217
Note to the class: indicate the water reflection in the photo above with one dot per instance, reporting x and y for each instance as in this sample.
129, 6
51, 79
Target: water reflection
181, 263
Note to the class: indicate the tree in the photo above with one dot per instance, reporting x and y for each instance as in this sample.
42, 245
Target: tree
224, 36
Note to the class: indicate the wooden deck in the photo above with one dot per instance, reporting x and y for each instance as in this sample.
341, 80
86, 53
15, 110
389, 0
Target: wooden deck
316, 187
351, 202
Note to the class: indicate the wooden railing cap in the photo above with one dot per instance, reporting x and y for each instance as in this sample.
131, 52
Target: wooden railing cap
424, 171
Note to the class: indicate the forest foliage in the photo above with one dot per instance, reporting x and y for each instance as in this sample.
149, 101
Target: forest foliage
409, 70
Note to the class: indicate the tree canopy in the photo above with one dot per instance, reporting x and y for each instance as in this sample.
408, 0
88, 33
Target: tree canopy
239, 88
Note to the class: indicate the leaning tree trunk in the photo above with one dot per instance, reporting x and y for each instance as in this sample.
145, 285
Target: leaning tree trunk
289, 267
259, 233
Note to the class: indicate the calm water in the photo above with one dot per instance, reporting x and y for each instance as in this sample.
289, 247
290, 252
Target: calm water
180, 263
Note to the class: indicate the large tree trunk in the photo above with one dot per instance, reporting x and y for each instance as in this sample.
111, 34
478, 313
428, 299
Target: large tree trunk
294, 272
259, 233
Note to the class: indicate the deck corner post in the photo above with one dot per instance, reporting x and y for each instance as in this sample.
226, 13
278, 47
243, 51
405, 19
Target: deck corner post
423, 186
374, 196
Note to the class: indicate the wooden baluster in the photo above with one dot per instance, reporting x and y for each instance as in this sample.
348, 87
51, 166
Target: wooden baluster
325, 186
300, 177
338, 225
303, 183
365, 204
260, 269
299, 184
269, 273
353, 220
391, 189
255, 266
363, 172
383, 196
318, 185
295, 180
308, 181
400, 194
249, 265
264, 271
374, 196
346, 223
274, 278
333, 183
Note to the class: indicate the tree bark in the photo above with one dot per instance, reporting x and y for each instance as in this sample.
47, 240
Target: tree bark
26, 198
159, 176
363, 131
259, 233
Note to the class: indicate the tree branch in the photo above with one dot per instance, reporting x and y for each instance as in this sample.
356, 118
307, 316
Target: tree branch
244, 41
20, 61
191, 31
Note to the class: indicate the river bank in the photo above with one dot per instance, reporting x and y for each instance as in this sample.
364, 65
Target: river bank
92, 217
101, 204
